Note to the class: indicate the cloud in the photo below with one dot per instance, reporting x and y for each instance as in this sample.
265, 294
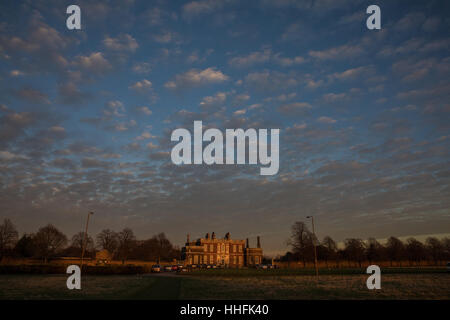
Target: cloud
95, 63
213, 101
251, 59
70, 94
197, 8
337, 53
8, 156
123, 43
264, 56
32, 95
142, 68
196, 77
167, 37
144, 110
141, 86
334, 97
268, 82
326, 120
16, 73
239, 112
295, 108
114, 108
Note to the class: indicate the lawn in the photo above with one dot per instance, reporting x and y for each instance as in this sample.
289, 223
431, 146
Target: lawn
393, 286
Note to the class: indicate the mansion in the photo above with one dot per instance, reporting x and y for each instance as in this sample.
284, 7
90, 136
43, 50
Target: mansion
225, 252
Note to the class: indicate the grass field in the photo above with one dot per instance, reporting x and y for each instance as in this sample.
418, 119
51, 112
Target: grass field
393, 286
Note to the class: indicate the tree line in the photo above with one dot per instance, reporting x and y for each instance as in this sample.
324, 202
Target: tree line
49, 243
357, 251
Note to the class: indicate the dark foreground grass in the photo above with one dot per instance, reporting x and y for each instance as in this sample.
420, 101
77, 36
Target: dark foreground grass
393, 286
309, 271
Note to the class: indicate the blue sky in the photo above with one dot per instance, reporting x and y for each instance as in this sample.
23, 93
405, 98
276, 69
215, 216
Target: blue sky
86, 116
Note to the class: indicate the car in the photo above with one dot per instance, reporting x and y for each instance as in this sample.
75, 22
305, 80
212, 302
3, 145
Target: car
167, 268
193, 266
182, 269
156, 268
174, 267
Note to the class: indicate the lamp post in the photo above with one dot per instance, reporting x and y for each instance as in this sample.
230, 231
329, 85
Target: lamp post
84, 238
314, 245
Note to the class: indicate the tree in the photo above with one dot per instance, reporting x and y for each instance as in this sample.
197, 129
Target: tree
77, 242
435, 248
355, 250
78, 239
48, 241
415, 250
374, 250
127, 242
327, 250
8, 237
395, 249
108, 240
25, 246
301, 241
446, 244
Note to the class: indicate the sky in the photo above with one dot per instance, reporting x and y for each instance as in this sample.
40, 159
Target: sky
364, 117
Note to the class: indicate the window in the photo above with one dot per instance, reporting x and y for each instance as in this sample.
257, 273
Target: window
218, 248
223, 248
240, 248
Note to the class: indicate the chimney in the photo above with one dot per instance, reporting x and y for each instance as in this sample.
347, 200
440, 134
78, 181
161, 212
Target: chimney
247, 243
258, 245
213, 235
207, 236
187, 239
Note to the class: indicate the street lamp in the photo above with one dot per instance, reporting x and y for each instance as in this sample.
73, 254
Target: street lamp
84, 238
314, 244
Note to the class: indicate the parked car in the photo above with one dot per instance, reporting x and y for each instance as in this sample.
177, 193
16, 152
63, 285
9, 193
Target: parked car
156, 268
174, 267
182, 269
167, 268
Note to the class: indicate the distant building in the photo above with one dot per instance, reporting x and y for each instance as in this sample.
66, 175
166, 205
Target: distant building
103, 257
226, 252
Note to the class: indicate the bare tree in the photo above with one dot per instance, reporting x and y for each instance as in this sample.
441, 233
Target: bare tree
436, 249
374, 250
355, 250
25, 246
330, 249
8, 237
77, 242
48, 241
301, 241
108, 240
446, 244
395, 249
415, 250
127, 242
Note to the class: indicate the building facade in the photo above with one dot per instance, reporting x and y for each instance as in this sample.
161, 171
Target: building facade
226, 252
